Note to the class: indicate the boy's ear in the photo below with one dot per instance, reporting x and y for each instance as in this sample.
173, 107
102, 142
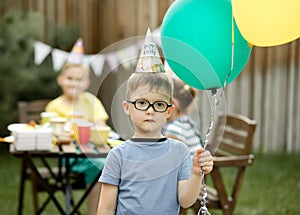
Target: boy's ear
125, 106
170, 110
59, 80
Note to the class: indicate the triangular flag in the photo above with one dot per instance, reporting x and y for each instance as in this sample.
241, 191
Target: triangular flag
97, 64
87, 59
112, 61
149, 60
41, 51
128, 56
59, 57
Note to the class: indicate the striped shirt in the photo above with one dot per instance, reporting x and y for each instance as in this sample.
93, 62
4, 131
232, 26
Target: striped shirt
186, 130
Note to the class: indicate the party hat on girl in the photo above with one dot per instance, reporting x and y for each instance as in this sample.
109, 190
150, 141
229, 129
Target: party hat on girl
149, 60
77, 52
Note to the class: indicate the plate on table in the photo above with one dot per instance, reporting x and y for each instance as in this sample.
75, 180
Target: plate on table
22, 127
18, 127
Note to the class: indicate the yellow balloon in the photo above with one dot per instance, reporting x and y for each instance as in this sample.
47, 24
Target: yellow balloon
267, 22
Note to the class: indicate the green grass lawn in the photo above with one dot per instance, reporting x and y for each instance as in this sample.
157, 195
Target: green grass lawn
10, 168
271, 186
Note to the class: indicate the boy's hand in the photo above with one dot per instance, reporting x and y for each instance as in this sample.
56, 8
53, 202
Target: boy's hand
202, 162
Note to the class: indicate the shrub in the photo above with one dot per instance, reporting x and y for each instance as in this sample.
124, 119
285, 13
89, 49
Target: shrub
20, 78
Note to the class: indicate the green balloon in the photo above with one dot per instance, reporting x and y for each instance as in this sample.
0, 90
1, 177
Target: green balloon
196, 38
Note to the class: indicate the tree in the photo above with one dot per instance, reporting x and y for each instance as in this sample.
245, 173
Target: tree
20, 78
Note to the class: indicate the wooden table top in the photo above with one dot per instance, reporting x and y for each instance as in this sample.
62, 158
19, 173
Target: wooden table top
67, 150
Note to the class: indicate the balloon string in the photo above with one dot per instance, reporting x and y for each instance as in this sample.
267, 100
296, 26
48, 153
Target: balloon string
215, 98
232, 50
213, 105
212, 115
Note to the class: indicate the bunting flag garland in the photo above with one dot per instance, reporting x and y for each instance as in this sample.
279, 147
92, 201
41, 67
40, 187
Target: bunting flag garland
41, 51
125, 57
128, 56
87, 59
97, 63
59, 57
112, 61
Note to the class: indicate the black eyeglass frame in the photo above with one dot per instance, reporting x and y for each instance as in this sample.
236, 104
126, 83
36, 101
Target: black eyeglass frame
150, 105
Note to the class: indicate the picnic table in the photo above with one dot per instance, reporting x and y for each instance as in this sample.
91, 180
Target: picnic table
62, 176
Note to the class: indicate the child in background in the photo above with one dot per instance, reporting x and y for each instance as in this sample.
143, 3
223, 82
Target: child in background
180, 125
149, 173
74, 80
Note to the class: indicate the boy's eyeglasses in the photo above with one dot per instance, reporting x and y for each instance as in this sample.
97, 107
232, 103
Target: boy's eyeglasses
158, 106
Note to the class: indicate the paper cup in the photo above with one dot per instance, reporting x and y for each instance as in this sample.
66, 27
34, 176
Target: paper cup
84, 133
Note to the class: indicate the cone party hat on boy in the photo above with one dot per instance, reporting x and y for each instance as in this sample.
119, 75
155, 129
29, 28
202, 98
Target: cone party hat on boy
77, 52
149, 60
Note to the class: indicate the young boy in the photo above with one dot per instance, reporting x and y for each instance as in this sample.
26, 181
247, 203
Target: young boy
74, 80
150, 174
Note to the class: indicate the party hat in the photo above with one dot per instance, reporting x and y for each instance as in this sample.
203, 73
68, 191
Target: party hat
149, 60
77, 52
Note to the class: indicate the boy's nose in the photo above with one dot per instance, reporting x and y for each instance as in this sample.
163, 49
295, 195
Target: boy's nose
150, 110
73, 83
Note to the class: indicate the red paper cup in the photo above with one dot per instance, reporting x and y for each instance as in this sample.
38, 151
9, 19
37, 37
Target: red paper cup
84, 133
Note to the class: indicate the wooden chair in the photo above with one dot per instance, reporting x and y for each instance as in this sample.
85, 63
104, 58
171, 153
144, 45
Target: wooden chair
31, 110
28, 111
234, 152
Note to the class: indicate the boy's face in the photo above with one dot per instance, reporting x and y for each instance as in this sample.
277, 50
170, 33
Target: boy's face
73, 81
147, 123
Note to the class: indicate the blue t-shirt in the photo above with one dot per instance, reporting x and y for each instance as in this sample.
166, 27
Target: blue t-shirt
147, 172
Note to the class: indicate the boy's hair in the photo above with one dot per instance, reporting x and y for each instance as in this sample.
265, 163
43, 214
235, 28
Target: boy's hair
156, 81
83, 67
184, 94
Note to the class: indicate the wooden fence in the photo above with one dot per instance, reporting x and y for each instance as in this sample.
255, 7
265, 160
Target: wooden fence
100, 22
267, 90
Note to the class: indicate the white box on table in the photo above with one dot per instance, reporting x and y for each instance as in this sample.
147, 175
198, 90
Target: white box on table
33, 139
